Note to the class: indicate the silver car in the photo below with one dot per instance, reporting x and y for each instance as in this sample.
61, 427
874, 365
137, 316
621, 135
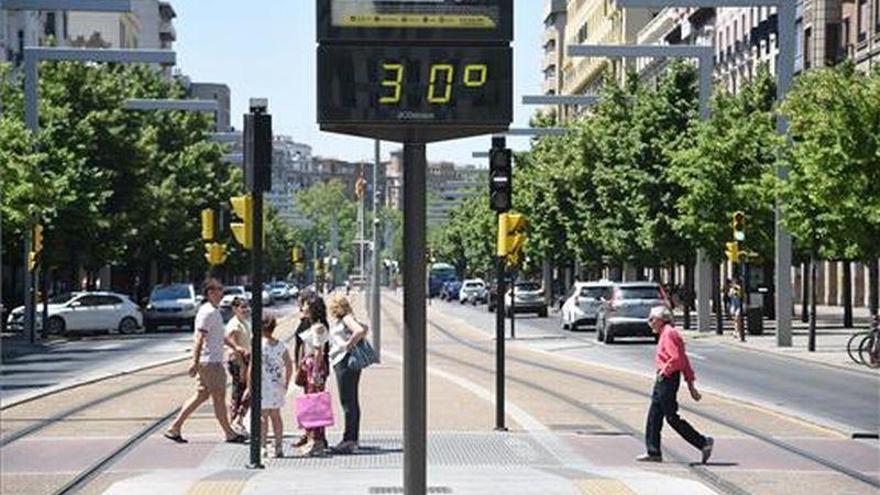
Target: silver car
626, 313
171, 305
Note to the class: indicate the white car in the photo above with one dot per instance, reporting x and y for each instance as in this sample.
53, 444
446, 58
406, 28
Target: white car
231, 292
292, 291
582, 305
84, 311
475, 287
279, 291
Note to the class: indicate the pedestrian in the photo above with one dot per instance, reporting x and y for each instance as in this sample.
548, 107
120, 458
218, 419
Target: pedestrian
300, 373
238, 329
314, 366
345, 333
726, 296
671, 362
207, 365
735, 296
277, 371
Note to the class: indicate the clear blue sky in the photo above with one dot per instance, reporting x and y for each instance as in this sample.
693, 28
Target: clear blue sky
266, 48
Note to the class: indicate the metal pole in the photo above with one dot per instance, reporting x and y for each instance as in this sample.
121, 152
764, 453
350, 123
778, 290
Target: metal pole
257, 326
31, 117
786, 12
414, 371
375, 321
704, 268
512, 304
499, 343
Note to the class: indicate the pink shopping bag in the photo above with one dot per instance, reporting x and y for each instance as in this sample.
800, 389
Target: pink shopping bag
314, 410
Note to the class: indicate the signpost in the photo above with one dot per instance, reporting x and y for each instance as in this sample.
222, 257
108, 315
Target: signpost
414, 72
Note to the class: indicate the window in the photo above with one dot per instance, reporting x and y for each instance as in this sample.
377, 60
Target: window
89, 301
808, 48
108, 301
49, 28
864, 19
582, 33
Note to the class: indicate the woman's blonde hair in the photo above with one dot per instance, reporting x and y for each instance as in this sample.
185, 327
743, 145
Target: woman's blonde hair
338, 306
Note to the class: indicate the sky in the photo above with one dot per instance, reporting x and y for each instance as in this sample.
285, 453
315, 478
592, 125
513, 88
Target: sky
267, 48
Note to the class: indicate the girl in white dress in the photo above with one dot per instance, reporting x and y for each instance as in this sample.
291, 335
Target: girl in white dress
277, 370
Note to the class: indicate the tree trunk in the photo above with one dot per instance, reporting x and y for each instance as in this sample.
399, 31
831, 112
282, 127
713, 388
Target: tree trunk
688, 291
805, 291
847, 295
716, 298
811, 345
873, 286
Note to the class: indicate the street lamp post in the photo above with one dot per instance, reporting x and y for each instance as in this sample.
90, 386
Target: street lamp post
32, 57
787, 29
706, 63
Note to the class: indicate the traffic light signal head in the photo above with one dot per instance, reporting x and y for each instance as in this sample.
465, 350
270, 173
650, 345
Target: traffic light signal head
215, 253
243, 206
38, 239
511, 234
32, 261
733, 252
209, 231
500, 179
739, 226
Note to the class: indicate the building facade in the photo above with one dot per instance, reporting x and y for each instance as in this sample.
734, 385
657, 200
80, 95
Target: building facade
290, 162
555, 18
213, 91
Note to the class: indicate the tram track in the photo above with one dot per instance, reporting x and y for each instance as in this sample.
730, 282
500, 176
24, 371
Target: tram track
702, 472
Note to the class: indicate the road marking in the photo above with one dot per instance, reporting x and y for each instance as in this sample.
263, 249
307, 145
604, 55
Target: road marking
696, 356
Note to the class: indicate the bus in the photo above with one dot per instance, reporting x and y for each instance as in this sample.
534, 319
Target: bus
438, 274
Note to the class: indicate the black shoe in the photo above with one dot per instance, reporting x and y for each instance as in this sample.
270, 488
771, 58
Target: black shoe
237, 439
649, 458
707, 449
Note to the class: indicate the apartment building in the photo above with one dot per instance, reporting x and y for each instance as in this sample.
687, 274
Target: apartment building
598, 22
555, 17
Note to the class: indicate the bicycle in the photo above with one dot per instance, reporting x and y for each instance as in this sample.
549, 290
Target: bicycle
869, 348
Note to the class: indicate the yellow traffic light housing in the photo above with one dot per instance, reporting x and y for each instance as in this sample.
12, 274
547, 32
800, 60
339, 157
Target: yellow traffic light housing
733, 253
209, 231
32, 261
215, 253
739, 226
511, 235
243, 206
38, 239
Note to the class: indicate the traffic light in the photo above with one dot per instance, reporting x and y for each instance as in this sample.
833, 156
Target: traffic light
32, 261
739, 226
38, 239
215, 253
209, 230
500, 179
733, 253
243, 206
511, 234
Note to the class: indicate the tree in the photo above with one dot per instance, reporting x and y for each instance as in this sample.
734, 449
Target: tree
328, 209
832, 195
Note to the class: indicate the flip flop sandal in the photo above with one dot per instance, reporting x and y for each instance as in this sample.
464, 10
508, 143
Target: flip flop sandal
175, 438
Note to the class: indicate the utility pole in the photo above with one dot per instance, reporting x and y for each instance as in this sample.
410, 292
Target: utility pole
375, 320
500, 199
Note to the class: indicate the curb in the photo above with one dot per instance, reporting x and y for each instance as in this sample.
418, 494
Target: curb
70, 386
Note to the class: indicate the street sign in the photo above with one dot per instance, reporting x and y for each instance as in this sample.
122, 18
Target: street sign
415, 93
415, 20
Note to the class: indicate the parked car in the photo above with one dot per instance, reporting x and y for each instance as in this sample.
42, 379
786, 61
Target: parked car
265, 296
279, 291
83, 311
528, 298
625, 314
171, 305
472, 289
292, 291
582, 305
229, 294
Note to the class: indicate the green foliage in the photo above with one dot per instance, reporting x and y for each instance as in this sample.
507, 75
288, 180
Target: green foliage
833, 193
325, 204
467, 239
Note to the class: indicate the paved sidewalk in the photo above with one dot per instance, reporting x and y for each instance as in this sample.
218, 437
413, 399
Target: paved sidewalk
464, 455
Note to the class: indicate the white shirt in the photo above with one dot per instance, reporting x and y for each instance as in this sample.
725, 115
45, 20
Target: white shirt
210, 323
240, 332
339, 337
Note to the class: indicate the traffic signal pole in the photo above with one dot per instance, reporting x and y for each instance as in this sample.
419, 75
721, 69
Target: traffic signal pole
500, 194
414, 320
499, 342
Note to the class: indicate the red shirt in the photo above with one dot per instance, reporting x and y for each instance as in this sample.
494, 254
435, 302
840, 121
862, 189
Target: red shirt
671, 354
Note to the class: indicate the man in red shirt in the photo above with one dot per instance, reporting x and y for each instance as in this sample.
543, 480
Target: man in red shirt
671, 362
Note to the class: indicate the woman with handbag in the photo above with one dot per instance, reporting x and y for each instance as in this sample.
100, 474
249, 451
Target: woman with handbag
313, 366
345, 334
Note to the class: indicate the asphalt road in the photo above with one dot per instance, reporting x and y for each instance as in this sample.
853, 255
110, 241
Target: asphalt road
843, 400
88, 357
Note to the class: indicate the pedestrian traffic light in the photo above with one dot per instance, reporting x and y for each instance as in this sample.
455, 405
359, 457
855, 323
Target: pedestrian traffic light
243, 206
739, 226
500, 179
733, 253
209, 230
215, 253
511, 234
